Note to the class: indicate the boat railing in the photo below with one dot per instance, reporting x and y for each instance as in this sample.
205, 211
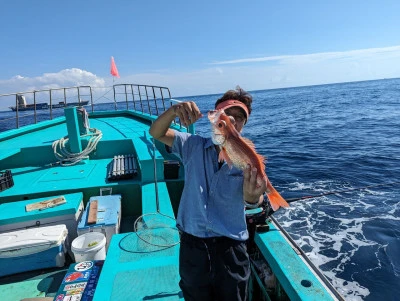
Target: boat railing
34, 106
147, 99
44, 101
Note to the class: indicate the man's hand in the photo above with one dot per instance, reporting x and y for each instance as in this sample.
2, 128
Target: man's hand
252, 193
188, 112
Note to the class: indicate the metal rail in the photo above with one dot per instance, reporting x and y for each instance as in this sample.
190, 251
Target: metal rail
65, 96
151, 99
146, 93
147, 99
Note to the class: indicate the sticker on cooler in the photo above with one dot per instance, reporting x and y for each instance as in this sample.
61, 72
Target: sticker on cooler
76, 276
75, 286
60, 298
83, 266
73, 298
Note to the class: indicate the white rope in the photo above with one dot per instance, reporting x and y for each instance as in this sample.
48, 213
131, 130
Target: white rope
66, 158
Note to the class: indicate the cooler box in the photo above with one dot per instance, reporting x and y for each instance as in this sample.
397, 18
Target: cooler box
108, 216
14, 215
80, 282
32, 249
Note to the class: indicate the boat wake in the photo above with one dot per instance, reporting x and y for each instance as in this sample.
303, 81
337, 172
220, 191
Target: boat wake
340, 231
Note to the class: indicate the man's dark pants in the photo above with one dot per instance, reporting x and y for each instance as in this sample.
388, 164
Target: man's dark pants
213, 268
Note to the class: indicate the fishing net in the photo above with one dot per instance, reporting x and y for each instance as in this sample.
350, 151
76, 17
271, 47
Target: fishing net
157, 229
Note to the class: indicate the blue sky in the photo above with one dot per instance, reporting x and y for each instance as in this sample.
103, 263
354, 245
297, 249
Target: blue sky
197, 47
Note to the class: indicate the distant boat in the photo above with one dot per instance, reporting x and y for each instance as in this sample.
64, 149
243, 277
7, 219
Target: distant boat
23, 106
31, 107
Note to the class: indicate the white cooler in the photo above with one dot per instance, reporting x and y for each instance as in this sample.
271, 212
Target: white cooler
14, 216
32, 249
108, 216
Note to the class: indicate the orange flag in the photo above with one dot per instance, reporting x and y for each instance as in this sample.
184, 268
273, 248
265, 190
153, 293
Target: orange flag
114, 70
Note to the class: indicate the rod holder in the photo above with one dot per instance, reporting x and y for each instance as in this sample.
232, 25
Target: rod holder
71, 119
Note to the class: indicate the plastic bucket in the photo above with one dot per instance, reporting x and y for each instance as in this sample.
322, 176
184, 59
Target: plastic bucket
89, 246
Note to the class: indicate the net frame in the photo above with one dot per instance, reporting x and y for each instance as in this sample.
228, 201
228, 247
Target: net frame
149, 226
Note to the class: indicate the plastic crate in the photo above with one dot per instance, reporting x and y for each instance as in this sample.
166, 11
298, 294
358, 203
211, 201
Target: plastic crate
6, 180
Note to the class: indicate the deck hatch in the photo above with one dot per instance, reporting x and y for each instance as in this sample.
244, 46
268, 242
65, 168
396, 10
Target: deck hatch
56, 174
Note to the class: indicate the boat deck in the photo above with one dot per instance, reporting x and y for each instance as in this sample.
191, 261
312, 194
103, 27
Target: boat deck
29, 155
140, 271
130, 269
121, 135
133, 269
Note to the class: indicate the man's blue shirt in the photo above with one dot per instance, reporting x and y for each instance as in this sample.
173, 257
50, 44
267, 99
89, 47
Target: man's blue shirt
212, 199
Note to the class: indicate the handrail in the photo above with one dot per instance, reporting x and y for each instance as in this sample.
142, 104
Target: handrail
147, 99
127, 92
139, 89
44, 90
48, 104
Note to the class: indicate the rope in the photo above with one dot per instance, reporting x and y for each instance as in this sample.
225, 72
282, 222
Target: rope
339, 191
103, 95
66, 158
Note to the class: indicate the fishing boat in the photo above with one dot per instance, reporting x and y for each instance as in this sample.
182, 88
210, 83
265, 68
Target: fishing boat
56, 173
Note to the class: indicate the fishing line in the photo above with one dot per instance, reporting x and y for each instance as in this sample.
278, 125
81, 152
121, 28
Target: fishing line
339, 191
103, 96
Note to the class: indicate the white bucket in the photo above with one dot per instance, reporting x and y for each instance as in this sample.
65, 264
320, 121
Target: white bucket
89, 246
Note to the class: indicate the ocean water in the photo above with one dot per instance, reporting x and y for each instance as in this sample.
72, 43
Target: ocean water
338, 137
322, 139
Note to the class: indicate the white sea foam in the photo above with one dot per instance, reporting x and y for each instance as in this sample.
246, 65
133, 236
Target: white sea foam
330, 230
317, 186
396, 207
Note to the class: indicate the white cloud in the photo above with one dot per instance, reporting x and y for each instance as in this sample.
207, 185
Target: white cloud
320, 57
64, 78
286, 71
219, 70
249, 73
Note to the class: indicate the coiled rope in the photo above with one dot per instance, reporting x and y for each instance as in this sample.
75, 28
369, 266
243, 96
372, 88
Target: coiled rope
65, 157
